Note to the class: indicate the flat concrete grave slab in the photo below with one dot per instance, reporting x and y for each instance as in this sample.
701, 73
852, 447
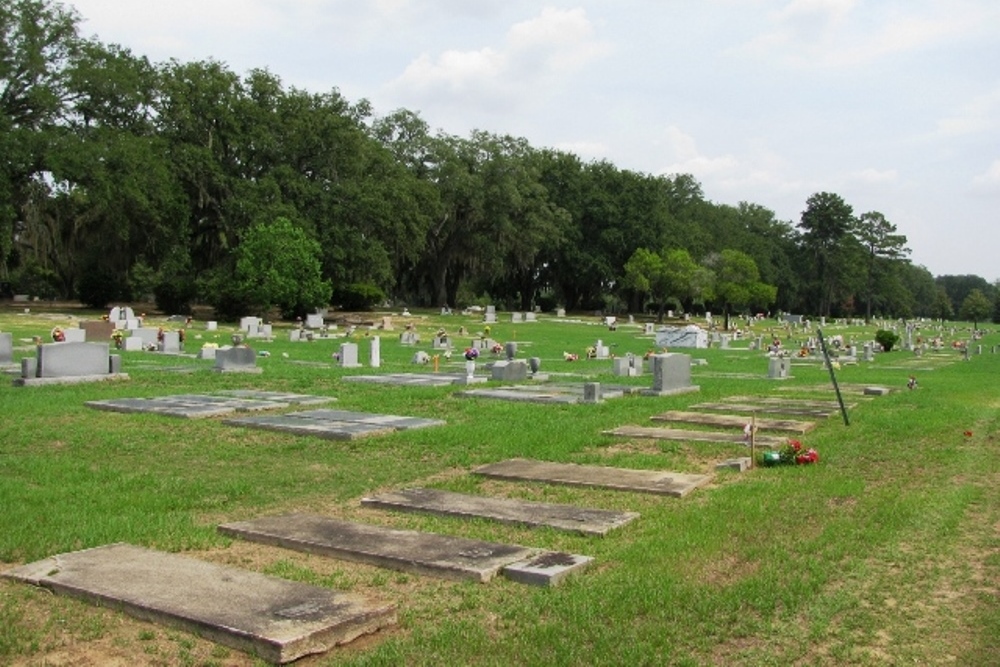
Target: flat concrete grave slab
734, 421
548, 569
410, 379
819, 413
583, 520
510, 394
681, 435
396, 422
279, 397
429, 554
658, 482
329, 430
789, 402
272, 618
188, 405
845, 388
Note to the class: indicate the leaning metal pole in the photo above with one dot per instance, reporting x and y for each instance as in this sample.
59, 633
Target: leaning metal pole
833, 377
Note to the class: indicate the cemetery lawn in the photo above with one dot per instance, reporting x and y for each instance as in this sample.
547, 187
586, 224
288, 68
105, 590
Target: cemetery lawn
885, 552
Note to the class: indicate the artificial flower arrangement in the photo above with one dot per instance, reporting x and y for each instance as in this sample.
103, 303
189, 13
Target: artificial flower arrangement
471, 354
791, 453
497, 349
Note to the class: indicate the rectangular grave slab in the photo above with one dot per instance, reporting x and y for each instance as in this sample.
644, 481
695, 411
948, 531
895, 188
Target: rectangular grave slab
279, 396
789, 402
734, 421
547, 569
505, 510
658, 482
145, 405
272, 618
819, 413
409, 379
680, 435
391, 421
328, 430
428, 554
519, 395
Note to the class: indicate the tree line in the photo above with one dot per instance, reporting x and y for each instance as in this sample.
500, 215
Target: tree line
184, 180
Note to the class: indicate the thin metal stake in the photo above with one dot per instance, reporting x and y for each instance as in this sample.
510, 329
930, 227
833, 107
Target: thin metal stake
833, 377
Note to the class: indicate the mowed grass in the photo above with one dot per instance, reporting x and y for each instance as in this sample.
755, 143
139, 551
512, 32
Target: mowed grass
886, 552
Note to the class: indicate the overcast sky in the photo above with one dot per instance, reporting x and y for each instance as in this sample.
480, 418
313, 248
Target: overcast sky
892, 104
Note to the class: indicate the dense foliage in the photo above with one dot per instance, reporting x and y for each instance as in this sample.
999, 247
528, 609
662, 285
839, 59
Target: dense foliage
124, 178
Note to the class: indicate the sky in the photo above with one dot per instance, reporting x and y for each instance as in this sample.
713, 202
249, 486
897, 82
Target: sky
892, 104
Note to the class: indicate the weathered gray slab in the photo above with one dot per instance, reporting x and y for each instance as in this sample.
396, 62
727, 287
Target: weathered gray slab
190, 406
330, 430
410, 379
659, 482
789, 402
506, 510
279, 396
740, 464
845, 387
819, 413
548, 569
272, 618
681, 435
520, 396
407, 550
145, 405
734, 421
69, 379
397, 422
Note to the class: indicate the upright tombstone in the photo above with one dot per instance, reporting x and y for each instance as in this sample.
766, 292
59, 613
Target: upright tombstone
375, 352
530, 317
515, 370
869, 352
236, 360
386, 324
490, 316
687, 336
560, 312
627, 366
516, 318
170, 343
74, 336
121, 314
65, 361
648, 329
601, 350
510, 349
671, 375
6, 348
349, 355
211, 325
97, 331
592, 392
314, 321
778, 368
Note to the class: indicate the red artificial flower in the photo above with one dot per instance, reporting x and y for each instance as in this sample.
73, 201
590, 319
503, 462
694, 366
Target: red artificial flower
968, 434
796, 445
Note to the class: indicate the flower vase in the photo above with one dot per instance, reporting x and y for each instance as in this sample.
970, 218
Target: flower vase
470, 368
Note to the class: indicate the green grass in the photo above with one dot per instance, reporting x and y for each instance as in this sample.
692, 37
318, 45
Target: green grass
886, 552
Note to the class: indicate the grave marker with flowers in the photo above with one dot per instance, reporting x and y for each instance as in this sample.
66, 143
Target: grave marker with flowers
792, 453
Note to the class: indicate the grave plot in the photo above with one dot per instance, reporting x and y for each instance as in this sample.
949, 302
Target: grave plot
411, 379
583, 520
680, 435
334, 424
734, 421
845, 388
430, 554
795, 411
658, 482
789, 402
193, 406
552, 393
274, 619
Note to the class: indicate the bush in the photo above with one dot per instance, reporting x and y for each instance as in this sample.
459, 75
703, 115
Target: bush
98, 287
175, 297
358, 296
886, 339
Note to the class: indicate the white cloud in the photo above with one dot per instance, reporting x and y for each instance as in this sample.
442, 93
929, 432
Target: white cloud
975, 116
686, 158
873, 176
534, 54
988, 183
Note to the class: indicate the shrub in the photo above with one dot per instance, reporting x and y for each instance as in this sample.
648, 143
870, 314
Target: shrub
358, 296
886, 339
